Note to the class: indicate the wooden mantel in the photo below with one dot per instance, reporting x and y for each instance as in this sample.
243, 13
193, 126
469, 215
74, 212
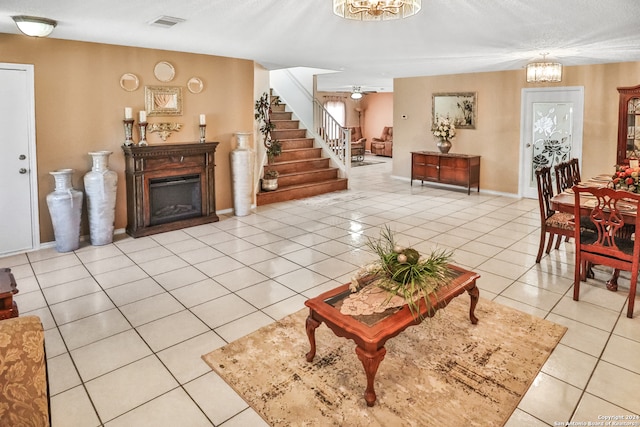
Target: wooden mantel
143, 164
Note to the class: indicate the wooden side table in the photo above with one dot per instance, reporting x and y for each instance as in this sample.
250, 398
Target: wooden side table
8, 307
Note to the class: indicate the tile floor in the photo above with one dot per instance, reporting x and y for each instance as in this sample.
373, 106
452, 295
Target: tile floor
126, 323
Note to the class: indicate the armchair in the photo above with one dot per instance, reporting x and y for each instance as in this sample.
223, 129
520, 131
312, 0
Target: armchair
358, 143
24, 395
383, 146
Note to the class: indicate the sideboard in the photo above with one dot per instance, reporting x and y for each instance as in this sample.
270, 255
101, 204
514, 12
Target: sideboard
454, 169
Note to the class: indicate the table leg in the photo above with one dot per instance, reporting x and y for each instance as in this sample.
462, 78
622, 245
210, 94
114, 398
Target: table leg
370, 363
474, 294
311, 326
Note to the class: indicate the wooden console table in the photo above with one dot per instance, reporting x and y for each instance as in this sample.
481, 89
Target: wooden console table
455, 169
145, 164
370, 333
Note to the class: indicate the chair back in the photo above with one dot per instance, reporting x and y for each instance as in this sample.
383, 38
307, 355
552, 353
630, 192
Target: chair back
545, 192
605, 215
567, 174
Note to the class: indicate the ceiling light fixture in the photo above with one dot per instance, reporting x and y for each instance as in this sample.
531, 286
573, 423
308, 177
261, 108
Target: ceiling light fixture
376, 10
543, 71
34, 26
356, 93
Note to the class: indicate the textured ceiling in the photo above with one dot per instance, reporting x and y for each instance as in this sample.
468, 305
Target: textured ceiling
445, 37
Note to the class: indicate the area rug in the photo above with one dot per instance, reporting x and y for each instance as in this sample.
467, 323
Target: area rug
443, 372
363, 163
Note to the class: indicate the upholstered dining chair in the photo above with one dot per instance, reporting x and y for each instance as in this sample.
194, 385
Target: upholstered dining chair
600, 235
551, 222
567, 174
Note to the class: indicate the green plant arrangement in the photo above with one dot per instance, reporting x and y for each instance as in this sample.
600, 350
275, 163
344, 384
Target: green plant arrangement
273, 147
271, 174
403, 272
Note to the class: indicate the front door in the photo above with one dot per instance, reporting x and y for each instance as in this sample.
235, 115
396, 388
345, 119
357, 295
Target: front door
551, 131
18, 193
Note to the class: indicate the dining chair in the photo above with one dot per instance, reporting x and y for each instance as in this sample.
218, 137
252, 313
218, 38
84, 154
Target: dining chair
567, 174
551, 222
600, 234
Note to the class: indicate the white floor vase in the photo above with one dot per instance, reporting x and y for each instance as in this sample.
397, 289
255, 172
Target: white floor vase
100, 185
65, 206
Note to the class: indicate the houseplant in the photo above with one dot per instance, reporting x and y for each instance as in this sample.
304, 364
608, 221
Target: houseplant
445, 131
404, 275
273, 147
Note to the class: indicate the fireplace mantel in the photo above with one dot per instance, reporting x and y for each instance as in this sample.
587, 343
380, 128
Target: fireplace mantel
154, 162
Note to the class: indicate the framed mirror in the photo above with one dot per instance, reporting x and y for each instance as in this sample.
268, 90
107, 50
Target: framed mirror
164, 71
459, 107
129, 82
195, 85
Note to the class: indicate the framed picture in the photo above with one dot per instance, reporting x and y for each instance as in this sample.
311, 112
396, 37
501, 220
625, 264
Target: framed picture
163, 100
459, 107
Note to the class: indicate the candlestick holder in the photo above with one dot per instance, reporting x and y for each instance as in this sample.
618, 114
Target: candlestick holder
143, 134
128, 132
202, 132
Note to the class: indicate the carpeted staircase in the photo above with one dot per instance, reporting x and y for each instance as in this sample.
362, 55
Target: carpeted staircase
303, 170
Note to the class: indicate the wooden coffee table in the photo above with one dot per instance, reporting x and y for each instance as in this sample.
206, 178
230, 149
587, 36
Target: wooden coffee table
371, 332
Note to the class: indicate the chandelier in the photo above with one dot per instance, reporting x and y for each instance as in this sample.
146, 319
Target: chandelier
543, 71
376, 10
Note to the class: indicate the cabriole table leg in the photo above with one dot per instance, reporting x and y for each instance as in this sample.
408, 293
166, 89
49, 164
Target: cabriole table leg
370, 363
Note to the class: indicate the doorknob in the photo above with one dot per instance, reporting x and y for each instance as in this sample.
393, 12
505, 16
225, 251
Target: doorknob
22, 157
22, 170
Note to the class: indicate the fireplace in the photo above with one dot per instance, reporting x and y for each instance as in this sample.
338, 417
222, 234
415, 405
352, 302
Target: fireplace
174, 198
169, 186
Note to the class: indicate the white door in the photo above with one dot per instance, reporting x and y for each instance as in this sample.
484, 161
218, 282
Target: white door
550, 131
18, 193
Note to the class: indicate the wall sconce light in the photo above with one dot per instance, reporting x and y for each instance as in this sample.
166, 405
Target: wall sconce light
34, 26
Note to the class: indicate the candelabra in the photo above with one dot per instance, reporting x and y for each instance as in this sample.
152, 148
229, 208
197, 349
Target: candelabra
143, 134
128, 132
202, 132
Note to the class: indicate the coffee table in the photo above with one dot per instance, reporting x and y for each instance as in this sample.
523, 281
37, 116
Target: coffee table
371, 332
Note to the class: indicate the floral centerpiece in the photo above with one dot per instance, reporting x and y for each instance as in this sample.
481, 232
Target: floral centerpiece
627, 178
444, 129
403, 274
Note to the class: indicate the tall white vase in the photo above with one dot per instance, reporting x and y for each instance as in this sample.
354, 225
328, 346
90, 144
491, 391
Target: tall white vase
65, 206
242, 175
100, 186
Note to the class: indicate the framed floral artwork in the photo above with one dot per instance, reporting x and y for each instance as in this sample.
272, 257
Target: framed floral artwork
458, 107
163, 100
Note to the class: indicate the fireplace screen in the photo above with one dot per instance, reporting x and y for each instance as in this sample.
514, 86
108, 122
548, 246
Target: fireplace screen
174, 198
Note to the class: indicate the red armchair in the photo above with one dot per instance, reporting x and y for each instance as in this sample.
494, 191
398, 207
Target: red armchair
383, 146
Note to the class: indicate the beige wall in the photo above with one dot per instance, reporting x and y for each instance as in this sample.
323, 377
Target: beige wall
80, 106
497, 134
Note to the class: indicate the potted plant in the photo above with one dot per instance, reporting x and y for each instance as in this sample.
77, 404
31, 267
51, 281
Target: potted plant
270, 180
273, 147
403, 274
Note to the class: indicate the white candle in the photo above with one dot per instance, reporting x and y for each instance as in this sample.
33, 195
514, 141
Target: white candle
203, 119
633, 163
143, 116
128, 113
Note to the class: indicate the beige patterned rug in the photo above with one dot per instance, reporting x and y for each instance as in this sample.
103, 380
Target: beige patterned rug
443, 372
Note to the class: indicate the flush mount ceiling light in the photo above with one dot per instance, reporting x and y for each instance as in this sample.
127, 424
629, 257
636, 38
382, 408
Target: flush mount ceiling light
543, 71
376, 10
34, 26
356, 93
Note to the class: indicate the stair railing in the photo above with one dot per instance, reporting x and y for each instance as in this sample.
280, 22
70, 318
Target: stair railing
333, 137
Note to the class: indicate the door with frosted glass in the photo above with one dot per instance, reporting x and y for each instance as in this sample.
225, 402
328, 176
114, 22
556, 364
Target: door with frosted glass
551, 131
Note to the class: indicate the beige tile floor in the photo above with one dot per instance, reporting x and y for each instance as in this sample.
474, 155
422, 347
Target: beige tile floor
126, 323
